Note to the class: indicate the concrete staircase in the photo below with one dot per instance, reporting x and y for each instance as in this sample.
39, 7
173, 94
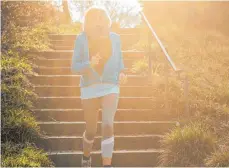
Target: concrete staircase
138, 126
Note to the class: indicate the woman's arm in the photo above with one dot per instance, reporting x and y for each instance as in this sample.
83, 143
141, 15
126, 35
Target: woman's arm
121, 62
79, 66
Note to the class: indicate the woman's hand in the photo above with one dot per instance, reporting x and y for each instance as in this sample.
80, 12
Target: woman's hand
122, 78
95, 60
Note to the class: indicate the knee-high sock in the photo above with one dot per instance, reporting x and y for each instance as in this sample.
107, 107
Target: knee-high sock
107, 146
87, 144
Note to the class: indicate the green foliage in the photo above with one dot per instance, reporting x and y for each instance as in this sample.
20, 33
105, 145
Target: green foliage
203, 53
25, 31
19, 126
216, 117
140, 67
187, 146
73, 28
36, 12
21, 32
26, 39
15, 155
218, 159
17, 97
17, 91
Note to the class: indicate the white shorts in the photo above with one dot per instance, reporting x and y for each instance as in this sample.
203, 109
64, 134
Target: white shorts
98, 90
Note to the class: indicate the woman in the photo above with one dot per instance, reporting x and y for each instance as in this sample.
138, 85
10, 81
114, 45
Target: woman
98, 59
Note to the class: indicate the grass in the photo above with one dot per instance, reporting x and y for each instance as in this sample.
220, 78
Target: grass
218, 159
15, 155
72, 28
187, 146
202, 51
21, 33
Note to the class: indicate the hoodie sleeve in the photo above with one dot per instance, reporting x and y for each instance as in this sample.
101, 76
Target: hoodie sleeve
121, 62
78, 63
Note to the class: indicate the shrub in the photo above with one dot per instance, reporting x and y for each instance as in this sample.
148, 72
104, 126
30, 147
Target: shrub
19, 126
218, 159
216, 116
21, 32
16, 155
73, 28
187, 146
203, 54
17, 91
140, 67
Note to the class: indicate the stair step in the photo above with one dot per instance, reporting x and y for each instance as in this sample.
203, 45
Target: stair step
62, 71
65, 45
73, 80
127, 30
75, 102
137, 128
65, 143
120, 158
67, 54
120, 128
55, 91
70, 115
66, 41
70, 38
67, 62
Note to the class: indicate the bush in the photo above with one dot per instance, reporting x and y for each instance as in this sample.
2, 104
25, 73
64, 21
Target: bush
73, 28
19, 126
218, 159
203, 54
15, 155
187, 146
21, 32
140, 67
17, 91
216, 116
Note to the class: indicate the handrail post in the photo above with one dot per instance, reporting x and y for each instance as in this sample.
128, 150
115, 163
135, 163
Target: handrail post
186, 88
149, 57
166, 98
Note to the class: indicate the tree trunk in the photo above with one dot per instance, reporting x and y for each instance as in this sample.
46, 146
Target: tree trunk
66, 14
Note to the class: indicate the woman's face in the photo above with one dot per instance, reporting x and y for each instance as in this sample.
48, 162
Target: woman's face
99, 24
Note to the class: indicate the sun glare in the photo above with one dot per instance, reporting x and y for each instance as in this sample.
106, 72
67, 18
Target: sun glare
77, 16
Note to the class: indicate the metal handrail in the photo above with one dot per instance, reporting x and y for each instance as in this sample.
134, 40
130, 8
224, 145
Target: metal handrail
172, 64
160, 43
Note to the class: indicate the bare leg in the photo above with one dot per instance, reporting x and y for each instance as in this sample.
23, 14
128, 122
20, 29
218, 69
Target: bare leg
91, 108
109, 108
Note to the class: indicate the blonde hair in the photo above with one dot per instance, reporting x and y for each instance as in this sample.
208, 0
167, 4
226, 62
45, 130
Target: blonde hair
93, 11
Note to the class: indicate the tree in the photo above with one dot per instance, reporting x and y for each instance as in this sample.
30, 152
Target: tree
126, 15
66, 13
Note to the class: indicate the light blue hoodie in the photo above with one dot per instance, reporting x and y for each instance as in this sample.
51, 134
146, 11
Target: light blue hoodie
112, 68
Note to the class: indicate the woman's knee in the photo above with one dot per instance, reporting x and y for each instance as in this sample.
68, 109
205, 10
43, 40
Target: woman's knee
90, 135
107, 130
